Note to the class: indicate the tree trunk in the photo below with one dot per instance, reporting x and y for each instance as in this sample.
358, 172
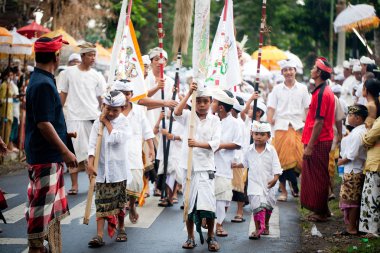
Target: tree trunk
377, 45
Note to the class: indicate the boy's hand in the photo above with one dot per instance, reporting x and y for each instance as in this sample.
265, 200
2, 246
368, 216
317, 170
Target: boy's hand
193, 87
160, 83
164, 132
192, 143
91, 171
234, 165
340, 162
103, 119
272, 183
255, 95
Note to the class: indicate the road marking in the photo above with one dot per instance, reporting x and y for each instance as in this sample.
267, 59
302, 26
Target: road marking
274, 225
10, 195
15, 214
147, 214
15, 241
77, 213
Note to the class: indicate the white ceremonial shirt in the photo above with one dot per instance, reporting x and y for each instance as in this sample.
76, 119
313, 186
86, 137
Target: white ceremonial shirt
154, 114
232, 133
206, 130
289, 105
83, 89
113, 162
141, 130
347, 87
262, 168
354, 150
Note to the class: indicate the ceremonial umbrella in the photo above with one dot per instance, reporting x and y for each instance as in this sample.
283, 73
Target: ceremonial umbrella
5, 36
33, 30
20, 45
66, 36
360, 17
297, 60
270, 56
250, 71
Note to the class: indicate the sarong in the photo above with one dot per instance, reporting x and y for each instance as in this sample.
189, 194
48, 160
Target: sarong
289, 148
110, 198
351, 189
315, 181
136, 186
369, 221
83, 130
333, 155
46, 203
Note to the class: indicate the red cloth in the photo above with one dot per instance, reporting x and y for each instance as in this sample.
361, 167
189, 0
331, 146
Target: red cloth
112, 221
46, 201
321, 65
315, 181
322, 106
49, 46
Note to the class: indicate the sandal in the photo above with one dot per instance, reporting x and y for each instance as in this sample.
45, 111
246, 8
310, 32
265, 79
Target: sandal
238, 219
72, 192
175, 201
254, 236
221, 232
189, 244
316, 218
213, 245
165, 203
96, 242
121, 236
146, 195
157, 193
282, 198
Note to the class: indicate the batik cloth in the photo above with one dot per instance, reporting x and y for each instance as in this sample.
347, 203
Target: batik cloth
369, 221
46, 203
315, 181
110, 198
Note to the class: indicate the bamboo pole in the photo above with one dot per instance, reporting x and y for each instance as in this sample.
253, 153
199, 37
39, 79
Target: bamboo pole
189, 156
91, 187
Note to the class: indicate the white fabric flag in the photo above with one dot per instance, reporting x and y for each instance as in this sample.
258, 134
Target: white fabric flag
224, 68
201, 41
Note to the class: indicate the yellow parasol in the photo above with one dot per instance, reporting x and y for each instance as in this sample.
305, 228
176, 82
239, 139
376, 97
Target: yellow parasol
270, 56
5, 36
66, 36
102, 54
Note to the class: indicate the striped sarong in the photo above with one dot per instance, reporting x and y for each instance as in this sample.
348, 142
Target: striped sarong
315, 180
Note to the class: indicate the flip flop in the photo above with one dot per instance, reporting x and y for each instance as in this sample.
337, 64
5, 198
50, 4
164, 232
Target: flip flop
213, 245
175, 200
282, 198
238, 219
221, 232
165, 203
72, 192
314, 218
254, 236
96, 242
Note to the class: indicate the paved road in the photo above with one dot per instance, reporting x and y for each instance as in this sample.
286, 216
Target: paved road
158, 230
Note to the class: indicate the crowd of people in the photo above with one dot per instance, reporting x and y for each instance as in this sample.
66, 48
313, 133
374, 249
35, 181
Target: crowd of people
297, 132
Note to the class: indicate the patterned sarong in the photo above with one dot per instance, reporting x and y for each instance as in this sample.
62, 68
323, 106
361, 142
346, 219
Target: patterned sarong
315, 180
289, 148
351, 189
47, 201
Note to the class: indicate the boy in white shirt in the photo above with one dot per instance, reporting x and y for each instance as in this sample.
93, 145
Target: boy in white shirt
141, 131
113, 171
231, 140
353, 158
202, 202
264, 170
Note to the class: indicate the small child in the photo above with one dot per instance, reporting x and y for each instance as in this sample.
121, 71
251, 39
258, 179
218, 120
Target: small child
264, 170
353, 158
113, 172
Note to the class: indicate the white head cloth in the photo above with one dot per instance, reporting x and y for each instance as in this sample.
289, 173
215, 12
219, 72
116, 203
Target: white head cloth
238, 107
87, 47
156, 52
339, 77
75, 56
354, 62
366, 60
122, 85
337, 89
288, 63
346, 64
146, 60
262, 106
222, 96
203, 93
114, 98
260, 127
356, 68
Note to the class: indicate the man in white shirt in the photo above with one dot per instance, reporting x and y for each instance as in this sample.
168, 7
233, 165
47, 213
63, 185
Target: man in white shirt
289, 101
231, 140
349, 81
141, 130
81, 89
206, 140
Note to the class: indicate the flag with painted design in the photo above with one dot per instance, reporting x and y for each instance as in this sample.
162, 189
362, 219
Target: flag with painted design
224, 69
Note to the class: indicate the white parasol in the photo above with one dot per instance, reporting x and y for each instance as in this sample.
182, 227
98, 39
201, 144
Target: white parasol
21, 45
